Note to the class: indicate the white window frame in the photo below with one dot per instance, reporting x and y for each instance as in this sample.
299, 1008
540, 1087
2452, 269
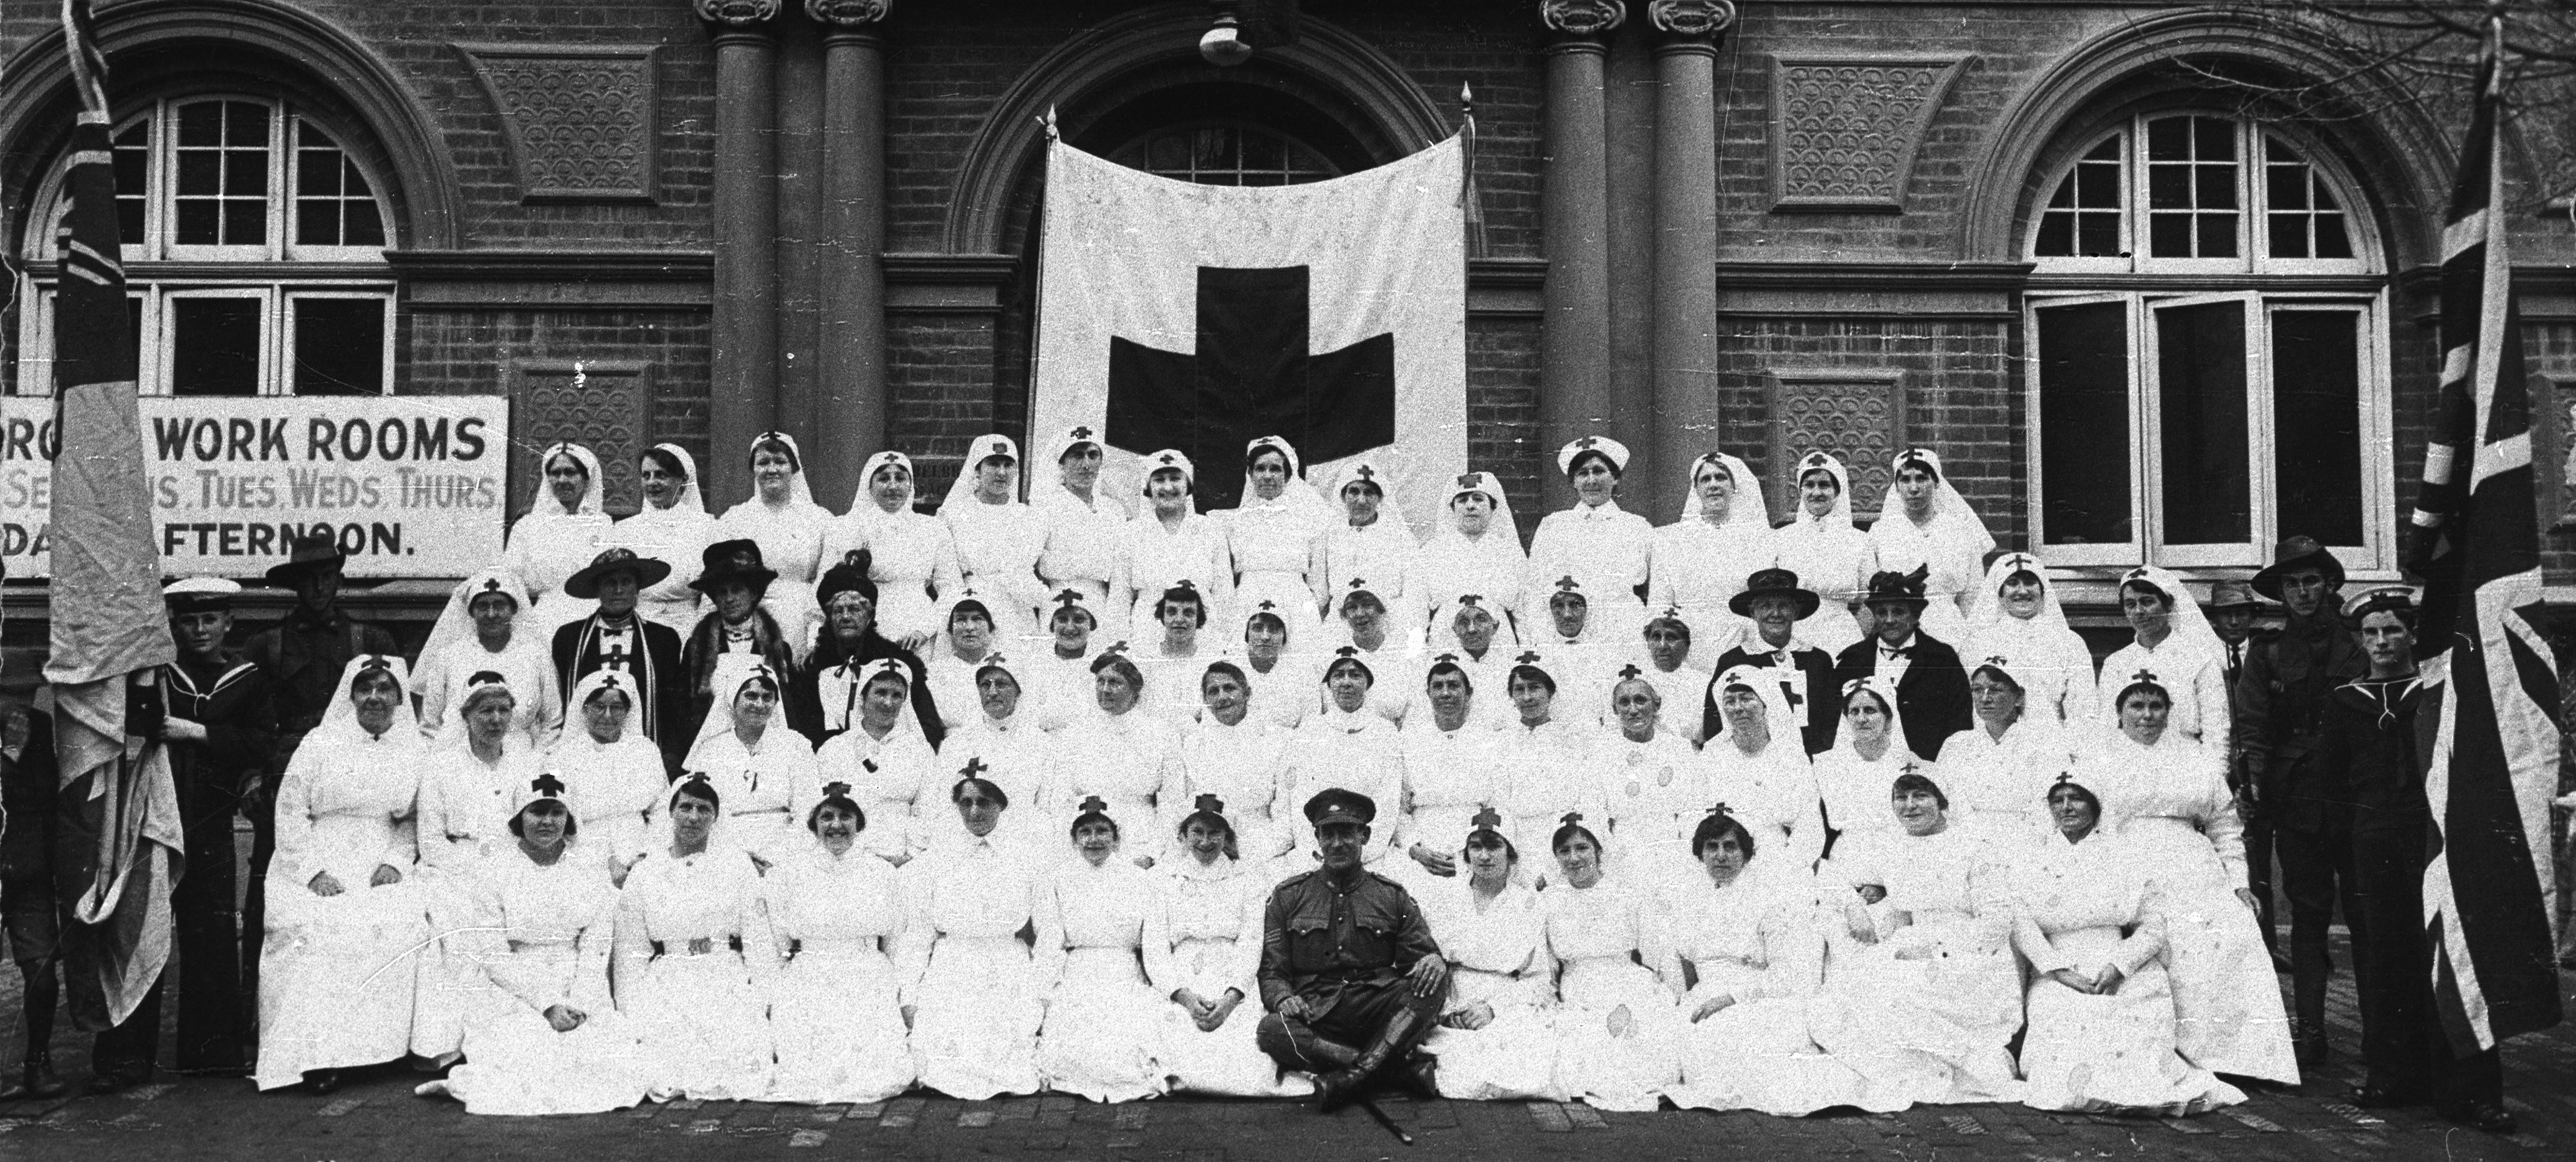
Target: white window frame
2147, 519
2254, 143
159, 270
2099, 553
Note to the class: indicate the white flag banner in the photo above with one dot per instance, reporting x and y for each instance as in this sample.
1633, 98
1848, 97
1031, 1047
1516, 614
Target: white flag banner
1198, 317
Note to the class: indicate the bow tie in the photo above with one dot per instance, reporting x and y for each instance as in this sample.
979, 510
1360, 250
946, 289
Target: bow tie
1894, 652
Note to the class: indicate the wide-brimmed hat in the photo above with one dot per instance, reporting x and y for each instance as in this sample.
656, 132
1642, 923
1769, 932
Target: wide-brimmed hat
735, 560
2296, 553
1774, 583
585, 584
2231, 595
311, 552
1886, 586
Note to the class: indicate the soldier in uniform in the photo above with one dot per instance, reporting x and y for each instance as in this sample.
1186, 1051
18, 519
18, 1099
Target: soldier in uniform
301, 656
2280, 706
1349, 972
222, 733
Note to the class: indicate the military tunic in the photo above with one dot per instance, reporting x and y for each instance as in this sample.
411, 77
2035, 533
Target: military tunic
1343, 945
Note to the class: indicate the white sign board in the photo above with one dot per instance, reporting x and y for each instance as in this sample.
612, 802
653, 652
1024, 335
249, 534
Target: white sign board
411, 486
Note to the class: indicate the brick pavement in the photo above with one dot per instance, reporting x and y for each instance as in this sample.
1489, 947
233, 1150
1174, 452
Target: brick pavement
377, 1118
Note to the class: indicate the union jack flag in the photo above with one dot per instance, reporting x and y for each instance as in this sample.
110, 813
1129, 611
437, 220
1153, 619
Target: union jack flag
2493, 752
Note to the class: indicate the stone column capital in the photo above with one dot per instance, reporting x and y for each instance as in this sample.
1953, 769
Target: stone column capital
1691, 19
1582, 18
849, 15
737, 15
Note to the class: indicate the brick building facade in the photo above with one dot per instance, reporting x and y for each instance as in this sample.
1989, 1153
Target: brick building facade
1764, 227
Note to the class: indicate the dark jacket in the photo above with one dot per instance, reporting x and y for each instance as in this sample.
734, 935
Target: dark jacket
706, 644
230, 697
658, 673
805, 709
1931, 699
2367, 771
1817, 698
2280, 702
302, 657
1317, 937
28, 790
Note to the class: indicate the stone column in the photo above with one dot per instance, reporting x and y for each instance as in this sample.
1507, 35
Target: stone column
850, 395
1685, 320
1574, 203
743, 378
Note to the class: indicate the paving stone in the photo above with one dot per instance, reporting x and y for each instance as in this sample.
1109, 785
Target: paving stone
1550, 1117
1584, 1117
808, 1139
975, 1119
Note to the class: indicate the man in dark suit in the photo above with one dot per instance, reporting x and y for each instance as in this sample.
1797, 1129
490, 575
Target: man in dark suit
1776, 604
222, 734
615, 637
1931, 687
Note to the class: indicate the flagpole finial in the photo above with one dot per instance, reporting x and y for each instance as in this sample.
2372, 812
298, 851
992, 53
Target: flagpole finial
1467, 98
1047, 123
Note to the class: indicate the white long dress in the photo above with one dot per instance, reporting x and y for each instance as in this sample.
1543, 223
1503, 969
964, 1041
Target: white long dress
464, 810
980, 998
1245, 766
1617, 1025
1212, 915
998, 547
1383, 555
1999, 787
1490, 566
1698, 567
1924, 1013
1355, 751
1655, 793
1855, 789
793, 537
1773, 793
2193, 672
1014, 754
2171, 804
2080, 906
336, 972
898, 780
548, 545
1755, 941
1153, 558
766, 788
1448, 776
1498, 956
1083, 539
1287, 693
2048, 658
1545, 779
677, 536
615, 789
1605, 549
1950, 549
836, 1004
911, 557
1274, 548
1829, 556
1131, 760
1102, 1038
541, 937
694, 957
526, 664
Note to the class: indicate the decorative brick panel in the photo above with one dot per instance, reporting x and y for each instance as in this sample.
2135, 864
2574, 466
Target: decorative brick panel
1844, 131
582, 121
601, 404
1856, 415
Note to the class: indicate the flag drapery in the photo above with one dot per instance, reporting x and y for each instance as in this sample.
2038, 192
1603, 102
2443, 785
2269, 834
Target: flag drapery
1199, 317
117, 839
2492, 752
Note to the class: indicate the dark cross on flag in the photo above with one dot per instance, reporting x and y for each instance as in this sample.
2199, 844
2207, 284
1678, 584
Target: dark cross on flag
1252, 375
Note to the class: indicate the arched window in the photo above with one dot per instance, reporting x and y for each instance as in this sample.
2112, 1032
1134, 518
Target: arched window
254, 255
2211, 292
1230, 153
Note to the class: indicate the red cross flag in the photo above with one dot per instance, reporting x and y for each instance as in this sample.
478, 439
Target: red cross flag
1200, 317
